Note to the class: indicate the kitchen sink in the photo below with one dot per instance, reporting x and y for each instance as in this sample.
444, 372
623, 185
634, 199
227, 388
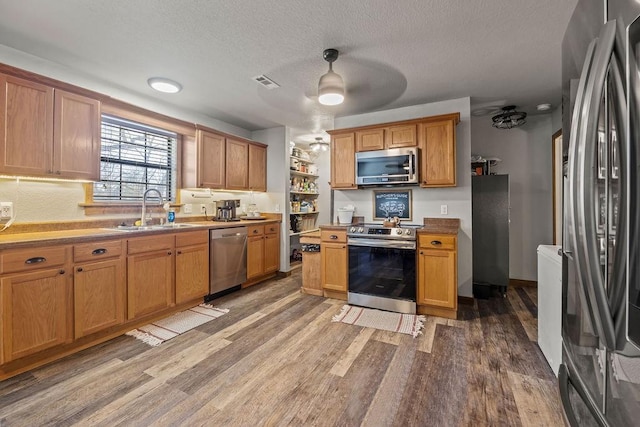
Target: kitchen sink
151, 227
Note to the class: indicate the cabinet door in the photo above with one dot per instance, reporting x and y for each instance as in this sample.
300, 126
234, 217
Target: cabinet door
255, 256
257, 168
26, 127
237, 165
438, 144
192, 272
343, 161
271, 253
35, 312
437, 278
149, 283
76, 141
368, 140
211, 160
335, 268
99, 296
400, 136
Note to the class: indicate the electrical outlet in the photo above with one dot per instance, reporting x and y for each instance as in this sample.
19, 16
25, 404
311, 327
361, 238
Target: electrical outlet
188, 208
203, 208
6, 210
443, 209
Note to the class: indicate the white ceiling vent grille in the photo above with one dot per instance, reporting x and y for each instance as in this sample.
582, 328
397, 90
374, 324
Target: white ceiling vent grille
266, 81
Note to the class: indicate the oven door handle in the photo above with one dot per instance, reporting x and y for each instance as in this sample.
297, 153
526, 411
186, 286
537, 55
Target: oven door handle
382, 243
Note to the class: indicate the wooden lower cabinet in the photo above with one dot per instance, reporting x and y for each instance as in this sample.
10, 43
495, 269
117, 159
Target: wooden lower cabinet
263, 252
36, 311
192, 266
150, 275
334, 258
437, 275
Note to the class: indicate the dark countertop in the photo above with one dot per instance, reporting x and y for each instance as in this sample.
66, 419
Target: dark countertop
37, 239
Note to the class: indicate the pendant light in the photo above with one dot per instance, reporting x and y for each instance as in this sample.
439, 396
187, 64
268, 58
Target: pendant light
319, 145
330, 86
509, 118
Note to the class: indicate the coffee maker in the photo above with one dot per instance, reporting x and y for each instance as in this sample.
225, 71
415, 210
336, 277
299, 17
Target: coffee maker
226, 210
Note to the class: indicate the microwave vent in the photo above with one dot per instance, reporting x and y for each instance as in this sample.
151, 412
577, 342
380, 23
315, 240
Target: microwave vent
266, 82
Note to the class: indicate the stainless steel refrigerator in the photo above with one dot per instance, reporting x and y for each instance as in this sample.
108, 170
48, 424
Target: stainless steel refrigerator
599, 377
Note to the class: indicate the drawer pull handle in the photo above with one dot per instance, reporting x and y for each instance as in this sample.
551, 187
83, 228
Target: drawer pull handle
436, 242
100, 251
333, 237
255, 231
35, 260
79, 270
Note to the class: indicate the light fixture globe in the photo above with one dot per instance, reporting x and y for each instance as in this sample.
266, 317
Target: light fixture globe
331, 85
164, 85
319, 145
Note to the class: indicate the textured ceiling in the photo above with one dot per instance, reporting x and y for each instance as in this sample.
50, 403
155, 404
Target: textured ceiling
392, 53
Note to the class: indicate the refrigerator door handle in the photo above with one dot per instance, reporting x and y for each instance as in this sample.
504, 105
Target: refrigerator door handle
564, 382
586, 239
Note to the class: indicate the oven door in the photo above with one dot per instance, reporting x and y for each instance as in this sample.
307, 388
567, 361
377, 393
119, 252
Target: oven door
382, 274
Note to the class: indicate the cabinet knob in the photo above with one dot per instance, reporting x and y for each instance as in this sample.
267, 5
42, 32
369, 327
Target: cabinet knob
61, 271
255, 231
421, 253
179, 252
79, 269
169, 253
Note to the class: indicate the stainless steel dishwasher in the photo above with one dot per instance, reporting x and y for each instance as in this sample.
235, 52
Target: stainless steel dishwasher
228, 259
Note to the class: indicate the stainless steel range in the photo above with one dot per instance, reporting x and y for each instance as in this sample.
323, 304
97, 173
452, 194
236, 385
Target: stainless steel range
382, 267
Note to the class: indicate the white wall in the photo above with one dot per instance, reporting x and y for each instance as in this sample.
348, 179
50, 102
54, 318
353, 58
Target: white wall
427, 201
526, 158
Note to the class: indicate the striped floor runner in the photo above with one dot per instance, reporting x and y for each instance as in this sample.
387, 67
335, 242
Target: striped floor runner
387, 321
164, 329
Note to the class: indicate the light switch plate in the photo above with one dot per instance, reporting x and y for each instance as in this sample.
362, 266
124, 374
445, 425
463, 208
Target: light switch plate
443, 209
6, 210
188, 208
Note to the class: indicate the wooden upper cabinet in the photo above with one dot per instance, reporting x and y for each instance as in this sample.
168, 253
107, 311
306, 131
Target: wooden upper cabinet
26, 126
369, 140
211, 159
237, 165
400, 136
257, 167
343, 161
76, 142
438, 155
47, 132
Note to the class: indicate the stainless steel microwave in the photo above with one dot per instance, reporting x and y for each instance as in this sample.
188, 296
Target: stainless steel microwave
384, 167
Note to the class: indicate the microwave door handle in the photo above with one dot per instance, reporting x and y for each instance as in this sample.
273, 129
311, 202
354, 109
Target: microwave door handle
412, 171
586, 237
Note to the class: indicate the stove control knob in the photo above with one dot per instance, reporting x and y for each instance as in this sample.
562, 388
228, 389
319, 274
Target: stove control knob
353, 229
398, 231
407, 231
360, 230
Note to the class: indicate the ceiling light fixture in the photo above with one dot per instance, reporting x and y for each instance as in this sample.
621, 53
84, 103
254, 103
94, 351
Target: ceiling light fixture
330, 86
543, 107
164, 85
509, 118
319, 145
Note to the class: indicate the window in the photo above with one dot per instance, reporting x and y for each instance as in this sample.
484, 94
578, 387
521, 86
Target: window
133, 158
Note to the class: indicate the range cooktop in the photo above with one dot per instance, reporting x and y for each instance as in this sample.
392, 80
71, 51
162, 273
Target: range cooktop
378, 231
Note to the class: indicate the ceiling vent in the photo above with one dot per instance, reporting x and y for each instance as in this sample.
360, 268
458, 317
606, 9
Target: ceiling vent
266, 81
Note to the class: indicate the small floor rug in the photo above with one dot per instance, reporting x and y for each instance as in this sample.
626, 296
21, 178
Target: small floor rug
164, 329
410, 324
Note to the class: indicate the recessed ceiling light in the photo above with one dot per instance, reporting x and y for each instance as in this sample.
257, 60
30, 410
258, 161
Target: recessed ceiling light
543, 107
164, 85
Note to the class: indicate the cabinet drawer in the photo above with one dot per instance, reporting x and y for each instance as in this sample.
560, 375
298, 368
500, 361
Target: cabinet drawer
255, 230
192, 238
149, 244
339, 236
438, 241
271, 229
32, 259
97, 250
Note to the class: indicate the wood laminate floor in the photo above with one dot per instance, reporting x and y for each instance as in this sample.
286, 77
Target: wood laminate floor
277, 359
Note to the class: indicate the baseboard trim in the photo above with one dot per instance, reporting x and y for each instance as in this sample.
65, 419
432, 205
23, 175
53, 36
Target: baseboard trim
523, 283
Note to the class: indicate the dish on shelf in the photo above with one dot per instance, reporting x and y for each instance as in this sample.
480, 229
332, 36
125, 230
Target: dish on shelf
253, 218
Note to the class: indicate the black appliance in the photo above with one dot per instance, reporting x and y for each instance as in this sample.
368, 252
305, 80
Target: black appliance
382, 267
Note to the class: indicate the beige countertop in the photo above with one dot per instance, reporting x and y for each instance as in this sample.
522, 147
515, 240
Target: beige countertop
35, 239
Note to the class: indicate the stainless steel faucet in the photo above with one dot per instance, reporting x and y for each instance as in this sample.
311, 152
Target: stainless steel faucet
143, 219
